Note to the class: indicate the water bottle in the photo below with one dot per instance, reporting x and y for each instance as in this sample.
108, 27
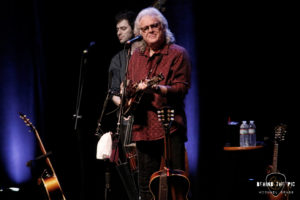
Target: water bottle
252, 133
244, 136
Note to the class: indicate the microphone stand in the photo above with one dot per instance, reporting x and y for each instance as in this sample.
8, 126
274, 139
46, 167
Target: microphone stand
103, 108
120, 114
77, 116
99, 135
114, 136
123, 167
83, 63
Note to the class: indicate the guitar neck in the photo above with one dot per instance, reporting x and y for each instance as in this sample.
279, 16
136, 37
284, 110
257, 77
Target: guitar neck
44, 151
275, 157
167, 146
166, 116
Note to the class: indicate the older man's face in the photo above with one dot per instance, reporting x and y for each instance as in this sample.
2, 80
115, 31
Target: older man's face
152, 31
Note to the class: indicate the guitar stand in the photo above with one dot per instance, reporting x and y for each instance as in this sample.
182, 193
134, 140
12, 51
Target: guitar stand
29, 163
107, 189
127, 178
37, 168
123, 170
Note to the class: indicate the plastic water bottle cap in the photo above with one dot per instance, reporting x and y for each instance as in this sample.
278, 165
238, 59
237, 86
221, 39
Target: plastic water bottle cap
251, 121
244, 122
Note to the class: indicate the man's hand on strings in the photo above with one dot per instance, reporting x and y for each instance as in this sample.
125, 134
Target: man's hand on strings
142, 85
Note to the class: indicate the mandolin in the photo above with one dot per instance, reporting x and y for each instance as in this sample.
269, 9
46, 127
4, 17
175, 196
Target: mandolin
273, 174
136, 95
167, 183
47, 180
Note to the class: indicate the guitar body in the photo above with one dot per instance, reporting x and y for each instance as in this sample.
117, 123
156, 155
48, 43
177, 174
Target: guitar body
283, 195
280, 196
177, 185
132, 103
52, 188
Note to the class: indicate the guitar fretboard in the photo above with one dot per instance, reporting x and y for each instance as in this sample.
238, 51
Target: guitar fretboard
275, 157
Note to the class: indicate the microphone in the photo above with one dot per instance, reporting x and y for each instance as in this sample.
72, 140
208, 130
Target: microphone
137, 38
92, 43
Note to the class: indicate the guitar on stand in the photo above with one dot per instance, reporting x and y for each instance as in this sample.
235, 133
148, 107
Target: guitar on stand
167, 183
48, 179
276, 191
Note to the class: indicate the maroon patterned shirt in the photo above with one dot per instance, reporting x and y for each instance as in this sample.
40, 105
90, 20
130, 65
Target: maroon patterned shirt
173, 62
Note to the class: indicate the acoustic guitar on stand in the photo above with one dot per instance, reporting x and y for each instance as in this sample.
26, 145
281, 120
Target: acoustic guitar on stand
47, 179
167, 183
279, 188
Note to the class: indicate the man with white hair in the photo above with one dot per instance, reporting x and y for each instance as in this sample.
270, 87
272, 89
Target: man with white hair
158, 55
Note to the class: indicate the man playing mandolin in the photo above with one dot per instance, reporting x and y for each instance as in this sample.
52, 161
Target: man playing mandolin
158, 55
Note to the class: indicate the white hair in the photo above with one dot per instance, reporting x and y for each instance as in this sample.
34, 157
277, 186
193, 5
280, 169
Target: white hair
151, 11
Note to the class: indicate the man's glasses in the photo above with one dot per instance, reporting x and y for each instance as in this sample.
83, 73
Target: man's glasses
152, 26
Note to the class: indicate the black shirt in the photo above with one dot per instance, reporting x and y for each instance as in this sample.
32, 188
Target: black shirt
117, 70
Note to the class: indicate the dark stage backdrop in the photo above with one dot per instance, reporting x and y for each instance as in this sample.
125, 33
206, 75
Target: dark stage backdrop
22, 88
243, 54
